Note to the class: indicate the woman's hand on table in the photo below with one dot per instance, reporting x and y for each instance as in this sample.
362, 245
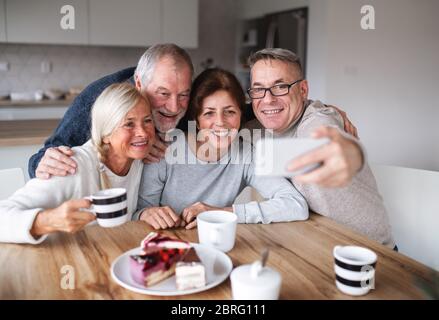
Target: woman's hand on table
190, 214
56, 162
68, 217
161, 217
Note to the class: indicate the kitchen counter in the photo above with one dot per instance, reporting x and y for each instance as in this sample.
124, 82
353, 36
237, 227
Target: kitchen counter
26, 132
34, 103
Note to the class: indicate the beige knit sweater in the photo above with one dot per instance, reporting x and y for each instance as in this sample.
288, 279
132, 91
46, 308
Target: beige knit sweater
359, 205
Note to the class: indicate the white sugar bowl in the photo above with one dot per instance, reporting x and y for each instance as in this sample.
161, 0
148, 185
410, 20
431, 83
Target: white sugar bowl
255, 282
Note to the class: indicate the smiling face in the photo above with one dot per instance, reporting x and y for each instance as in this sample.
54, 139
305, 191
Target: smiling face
168, 91
277, 112
219, 119
133, 137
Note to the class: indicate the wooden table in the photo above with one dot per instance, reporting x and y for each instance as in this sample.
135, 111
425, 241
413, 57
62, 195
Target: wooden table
301, 251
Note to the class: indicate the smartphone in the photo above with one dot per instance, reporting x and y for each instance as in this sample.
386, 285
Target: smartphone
272, 155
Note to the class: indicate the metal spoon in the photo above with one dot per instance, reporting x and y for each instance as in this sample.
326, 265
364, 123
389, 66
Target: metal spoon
264, 256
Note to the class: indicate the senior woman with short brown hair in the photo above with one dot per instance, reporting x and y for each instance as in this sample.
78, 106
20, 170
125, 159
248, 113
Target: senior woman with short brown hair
214, 165
121, 135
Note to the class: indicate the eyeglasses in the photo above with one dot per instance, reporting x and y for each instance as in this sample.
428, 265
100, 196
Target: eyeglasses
276, 90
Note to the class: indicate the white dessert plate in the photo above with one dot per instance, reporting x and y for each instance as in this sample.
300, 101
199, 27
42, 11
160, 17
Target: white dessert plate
218, 267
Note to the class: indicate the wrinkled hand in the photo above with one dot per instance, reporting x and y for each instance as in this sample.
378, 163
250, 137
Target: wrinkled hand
189, 214
56, 162
341, 159
160, 217
157, 152
348, 125
68, 217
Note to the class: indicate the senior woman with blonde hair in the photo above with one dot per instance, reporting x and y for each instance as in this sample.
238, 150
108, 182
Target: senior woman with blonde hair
121, 136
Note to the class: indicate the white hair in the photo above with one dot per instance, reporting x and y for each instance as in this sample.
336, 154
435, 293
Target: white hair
146, 64
109, 110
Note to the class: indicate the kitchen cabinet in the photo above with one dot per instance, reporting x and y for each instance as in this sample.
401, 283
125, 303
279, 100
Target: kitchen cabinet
125, 23
139, 23
40, 22
180, 22
2, 21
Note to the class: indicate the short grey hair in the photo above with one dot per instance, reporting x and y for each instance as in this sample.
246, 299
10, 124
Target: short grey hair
277, 54
146, 64
109, 110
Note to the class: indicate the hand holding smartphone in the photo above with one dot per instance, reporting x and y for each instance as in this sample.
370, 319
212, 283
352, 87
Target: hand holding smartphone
272, 156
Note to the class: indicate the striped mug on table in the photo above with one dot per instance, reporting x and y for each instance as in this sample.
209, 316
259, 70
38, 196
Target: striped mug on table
110, 207
354, 269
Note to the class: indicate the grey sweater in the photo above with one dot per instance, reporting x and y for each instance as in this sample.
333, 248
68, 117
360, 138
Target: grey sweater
182, 184
358, 205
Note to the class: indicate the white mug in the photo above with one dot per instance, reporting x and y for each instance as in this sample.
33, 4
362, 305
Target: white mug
254, 282
110, 207
217, 229
354, 269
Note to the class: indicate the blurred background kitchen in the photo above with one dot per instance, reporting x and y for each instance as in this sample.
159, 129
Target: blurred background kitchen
385, 79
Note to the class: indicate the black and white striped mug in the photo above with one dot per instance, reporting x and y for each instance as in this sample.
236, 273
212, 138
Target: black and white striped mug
110, 207
354, 269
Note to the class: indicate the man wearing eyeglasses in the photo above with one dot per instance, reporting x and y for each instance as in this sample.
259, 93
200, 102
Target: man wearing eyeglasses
280, 102
343, 187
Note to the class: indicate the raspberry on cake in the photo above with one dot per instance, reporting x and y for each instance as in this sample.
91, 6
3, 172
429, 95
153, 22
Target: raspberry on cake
158, 258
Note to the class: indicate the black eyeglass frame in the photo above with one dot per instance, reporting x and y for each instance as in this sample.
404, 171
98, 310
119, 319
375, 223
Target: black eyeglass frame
269, 89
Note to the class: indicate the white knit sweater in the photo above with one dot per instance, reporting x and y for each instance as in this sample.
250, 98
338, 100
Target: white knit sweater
17, 214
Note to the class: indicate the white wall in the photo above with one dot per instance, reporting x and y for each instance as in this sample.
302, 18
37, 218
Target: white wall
317, 58
387, 79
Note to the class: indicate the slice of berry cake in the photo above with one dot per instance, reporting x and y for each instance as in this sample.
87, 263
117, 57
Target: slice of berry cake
158, 258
